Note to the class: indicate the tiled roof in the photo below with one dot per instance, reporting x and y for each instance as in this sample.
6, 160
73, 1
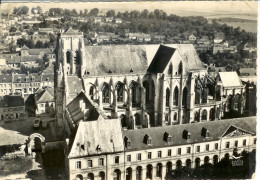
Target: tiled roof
29, 58
48, 77
11, 58
230, 79
46, 95
95, 137
11, 101
216, 130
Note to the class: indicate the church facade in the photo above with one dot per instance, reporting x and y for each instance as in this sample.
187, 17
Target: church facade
139, 88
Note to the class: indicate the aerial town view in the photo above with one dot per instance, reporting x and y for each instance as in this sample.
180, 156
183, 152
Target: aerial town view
128, 91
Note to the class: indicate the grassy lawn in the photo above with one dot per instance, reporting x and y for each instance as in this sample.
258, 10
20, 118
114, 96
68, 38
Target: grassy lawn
15, 166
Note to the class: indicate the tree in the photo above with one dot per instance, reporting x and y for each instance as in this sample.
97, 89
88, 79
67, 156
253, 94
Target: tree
111, 13
85, 12
12, 29
39, 44
23, 10
74, 12
45, 58
39, 9
145, 13
93, 12
12, 48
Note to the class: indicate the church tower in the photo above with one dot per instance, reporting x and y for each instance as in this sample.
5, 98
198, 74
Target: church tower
69, 62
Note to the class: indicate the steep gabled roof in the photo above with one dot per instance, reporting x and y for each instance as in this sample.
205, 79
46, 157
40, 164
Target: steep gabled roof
230, 79
216, 130
161, 59
96, 137
44, 96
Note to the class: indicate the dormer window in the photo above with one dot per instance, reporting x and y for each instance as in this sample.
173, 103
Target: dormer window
27, 79
47, 79
147, 140
19, 79
127, 142
33, 78
205, 132
186, 135
167, 137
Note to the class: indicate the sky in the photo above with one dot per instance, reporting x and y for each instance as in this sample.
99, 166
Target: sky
176, 7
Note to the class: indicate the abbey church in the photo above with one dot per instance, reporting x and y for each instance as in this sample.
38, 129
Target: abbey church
106, 94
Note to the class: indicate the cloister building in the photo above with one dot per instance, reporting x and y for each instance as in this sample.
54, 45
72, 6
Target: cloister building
146, 93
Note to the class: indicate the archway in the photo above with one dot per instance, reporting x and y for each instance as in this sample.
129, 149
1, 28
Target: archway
117, 174
129, 173
197, 162
159, 170
188, 163
226, 156
178, 164
79, 177
149, 171
139, 173
168, 167
90, 176
206, 160
215, 159
102, 175
31, 142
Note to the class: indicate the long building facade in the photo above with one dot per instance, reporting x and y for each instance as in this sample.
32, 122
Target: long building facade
151, 94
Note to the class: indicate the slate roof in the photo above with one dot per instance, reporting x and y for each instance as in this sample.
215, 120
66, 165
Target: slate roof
45, 95
37, 78
11, 101
5, 78
230, 79
71, 31
74, 85
48, 77
40, 51
122, 58
161, 59
29, 58
11, 58
105, 135
216, 131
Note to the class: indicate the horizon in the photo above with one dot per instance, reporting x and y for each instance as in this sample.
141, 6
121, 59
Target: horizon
229, 8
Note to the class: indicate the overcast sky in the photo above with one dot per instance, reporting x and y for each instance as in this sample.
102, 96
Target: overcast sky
200, 7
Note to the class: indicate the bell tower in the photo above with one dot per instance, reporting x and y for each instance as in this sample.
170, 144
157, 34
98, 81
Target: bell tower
72, 51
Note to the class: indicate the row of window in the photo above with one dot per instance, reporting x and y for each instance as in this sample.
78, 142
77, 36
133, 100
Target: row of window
24, 85
159, 154
4, 85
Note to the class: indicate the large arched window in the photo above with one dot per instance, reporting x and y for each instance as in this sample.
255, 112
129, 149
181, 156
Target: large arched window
68, 57
175, 117
197, 116
212, 114
137, 119
204, 115
184, 97
102, 175
105, 93
159, 170
176, 96
180, 68
147, 91
236, 102
170, 69
197, 162
123, 120
120, 92
135, 93
197, 95
167, 97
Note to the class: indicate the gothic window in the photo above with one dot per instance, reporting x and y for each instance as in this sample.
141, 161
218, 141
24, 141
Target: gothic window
204, 115
170, 69
184, 97
68, 57
197, 95
180, 69
167, 97
105, 93
236, 102
212, 114
197, 116
123, 120
137, 119
120, 91
146, 86
176, 96
91, 92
